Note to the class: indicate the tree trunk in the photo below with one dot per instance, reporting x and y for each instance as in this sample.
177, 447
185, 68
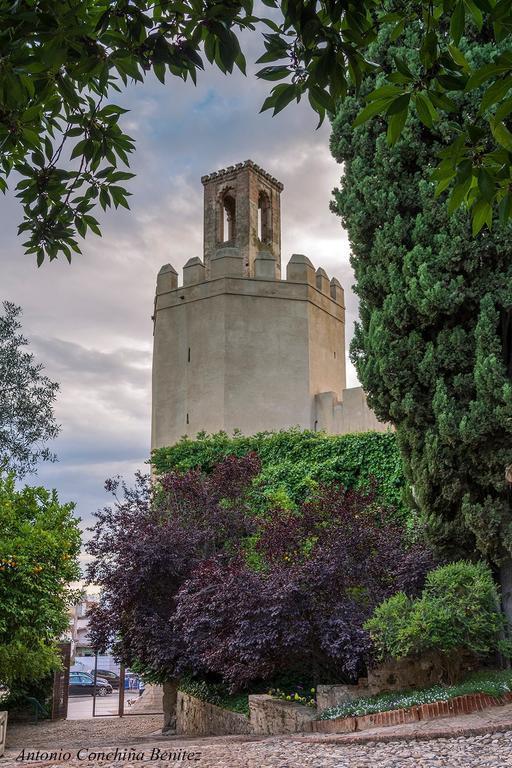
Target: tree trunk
169, 701
506, 590
506, 598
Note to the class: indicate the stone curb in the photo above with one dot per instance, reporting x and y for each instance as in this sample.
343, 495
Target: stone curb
383, 738
459, 705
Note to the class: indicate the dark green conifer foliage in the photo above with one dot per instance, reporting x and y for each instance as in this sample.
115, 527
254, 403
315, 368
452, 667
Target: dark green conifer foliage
431, 344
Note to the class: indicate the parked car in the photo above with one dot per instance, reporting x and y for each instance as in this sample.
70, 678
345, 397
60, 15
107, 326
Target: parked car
110, 677
82, 684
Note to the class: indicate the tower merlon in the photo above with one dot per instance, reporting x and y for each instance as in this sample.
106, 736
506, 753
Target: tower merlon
193, 272
167, 279
337, 292
322, 281
265, 266
226, 262
300, 270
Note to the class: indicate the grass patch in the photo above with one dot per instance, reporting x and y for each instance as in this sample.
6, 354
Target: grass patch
492, 683
216, 693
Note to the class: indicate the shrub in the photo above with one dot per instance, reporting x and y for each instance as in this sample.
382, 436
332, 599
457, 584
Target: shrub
198, 585
215, 693
19, 701
457, 610
294, 463
322, 572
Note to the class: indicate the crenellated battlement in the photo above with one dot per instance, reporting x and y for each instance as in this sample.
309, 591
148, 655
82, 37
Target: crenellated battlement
234, 169
227, 262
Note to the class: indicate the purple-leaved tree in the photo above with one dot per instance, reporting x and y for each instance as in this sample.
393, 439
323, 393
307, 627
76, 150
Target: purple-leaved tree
149, 542
322, 571
193, 583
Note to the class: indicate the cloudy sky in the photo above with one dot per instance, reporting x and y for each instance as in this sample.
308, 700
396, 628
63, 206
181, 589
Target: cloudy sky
89, 323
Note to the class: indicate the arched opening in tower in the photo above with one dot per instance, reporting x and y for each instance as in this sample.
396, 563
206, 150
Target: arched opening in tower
227, 219
264, 218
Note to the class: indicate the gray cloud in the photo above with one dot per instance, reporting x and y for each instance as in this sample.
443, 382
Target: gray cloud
90, 322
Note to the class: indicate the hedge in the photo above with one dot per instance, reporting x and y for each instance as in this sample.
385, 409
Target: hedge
295, 463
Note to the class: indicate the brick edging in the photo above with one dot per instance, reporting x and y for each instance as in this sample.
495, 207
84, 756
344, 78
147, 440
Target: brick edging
460, 705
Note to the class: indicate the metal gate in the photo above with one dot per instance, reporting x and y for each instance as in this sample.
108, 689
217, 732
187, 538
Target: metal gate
61, 684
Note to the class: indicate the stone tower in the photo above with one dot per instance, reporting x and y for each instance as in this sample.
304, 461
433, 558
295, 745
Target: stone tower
242, 210
236, 346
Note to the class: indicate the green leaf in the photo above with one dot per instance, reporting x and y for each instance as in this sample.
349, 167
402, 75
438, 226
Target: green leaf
92, 224
458, 195
79, 148
505, 209
442, 185
399, 105
273, 73
476, 13
495, 93
81, 226
502, 134
481, 75
322, 98
457, 22
395, 126
384, 92
481, 214
398, 30
31, 137
486, 184
241, 63
442, 101
375, 108
428, 50
403, 68
503, 110
427, 113
285, 96
159, 70
458, 57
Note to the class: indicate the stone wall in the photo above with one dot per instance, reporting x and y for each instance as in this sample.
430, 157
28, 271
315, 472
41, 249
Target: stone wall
328, 696
199, 718
348, 413
268, 716
271, 716
3, 730
401, 674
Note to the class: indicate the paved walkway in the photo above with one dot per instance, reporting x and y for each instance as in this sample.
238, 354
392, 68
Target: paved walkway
437, 744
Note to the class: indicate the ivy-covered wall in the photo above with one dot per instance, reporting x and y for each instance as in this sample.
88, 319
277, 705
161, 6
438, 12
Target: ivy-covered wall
295, 462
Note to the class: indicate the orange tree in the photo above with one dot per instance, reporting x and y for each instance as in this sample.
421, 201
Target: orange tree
39, 545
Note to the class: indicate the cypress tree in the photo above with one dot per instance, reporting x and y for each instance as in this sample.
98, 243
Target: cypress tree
433, 345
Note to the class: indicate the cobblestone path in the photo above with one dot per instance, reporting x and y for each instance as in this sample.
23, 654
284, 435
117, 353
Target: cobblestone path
86, 750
